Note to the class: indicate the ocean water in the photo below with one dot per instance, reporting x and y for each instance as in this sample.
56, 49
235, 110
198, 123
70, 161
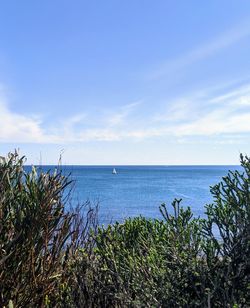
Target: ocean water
140, 190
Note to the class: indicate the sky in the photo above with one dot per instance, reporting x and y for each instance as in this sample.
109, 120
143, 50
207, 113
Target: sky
125, 82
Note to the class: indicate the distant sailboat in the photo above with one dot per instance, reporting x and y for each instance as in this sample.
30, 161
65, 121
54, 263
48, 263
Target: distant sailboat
114, 171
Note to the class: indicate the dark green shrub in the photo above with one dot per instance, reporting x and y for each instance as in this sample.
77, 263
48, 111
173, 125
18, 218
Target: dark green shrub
143, 262
37, 236
51, 258
227, 233
175, 262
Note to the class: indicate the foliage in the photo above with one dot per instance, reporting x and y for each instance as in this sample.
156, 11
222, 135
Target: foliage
52, 258
228, 255
36, 234
178, 261
146, 262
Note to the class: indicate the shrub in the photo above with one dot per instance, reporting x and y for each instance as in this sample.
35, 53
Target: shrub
37, 235
54, 258
228, 254
144, 262
178, 261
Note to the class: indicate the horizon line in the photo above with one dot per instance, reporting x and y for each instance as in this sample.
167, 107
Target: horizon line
134, 165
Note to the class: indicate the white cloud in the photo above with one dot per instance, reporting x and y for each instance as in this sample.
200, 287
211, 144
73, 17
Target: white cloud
203, 115
216, 123
15, 127
207, 115
18, 128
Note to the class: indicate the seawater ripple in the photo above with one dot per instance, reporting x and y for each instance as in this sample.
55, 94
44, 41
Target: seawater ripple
140, 190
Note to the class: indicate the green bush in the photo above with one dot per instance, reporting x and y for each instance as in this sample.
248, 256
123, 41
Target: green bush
37, 236
228, 255
147, 263
52, 258
178, 261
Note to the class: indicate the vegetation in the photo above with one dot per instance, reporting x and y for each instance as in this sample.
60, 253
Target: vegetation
50, 257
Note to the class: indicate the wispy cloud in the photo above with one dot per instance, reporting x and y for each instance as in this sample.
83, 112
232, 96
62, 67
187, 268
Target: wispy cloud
225, 40
206, 114
16, 127
120, 116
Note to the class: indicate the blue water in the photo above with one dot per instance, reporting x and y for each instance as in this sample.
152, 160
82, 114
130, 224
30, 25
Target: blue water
139, 190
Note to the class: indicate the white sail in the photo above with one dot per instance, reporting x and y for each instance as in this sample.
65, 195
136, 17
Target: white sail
114, 171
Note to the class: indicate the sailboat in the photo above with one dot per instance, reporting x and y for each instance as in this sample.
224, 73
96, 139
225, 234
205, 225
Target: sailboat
114, 171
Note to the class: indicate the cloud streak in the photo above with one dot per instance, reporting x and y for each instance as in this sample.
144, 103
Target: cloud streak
16, 127
204, 115
204, 51
207, 115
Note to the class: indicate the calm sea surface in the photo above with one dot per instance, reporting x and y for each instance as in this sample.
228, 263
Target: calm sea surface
139, 190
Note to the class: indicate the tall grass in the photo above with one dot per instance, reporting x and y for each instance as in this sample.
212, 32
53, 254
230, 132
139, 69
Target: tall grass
53, 258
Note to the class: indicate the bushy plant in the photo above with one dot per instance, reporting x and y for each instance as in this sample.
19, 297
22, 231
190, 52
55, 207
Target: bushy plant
53, 258
147, 263
227, 238
178, 261
37, 235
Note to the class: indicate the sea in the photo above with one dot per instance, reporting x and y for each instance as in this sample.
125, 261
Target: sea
140, 190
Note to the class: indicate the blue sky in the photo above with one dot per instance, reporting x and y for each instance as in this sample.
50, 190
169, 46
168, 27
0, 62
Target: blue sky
125, 82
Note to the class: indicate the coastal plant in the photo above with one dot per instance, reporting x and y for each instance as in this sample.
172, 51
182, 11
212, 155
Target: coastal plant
37, 235
53, 257
227, 235
144, 262
176, 261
